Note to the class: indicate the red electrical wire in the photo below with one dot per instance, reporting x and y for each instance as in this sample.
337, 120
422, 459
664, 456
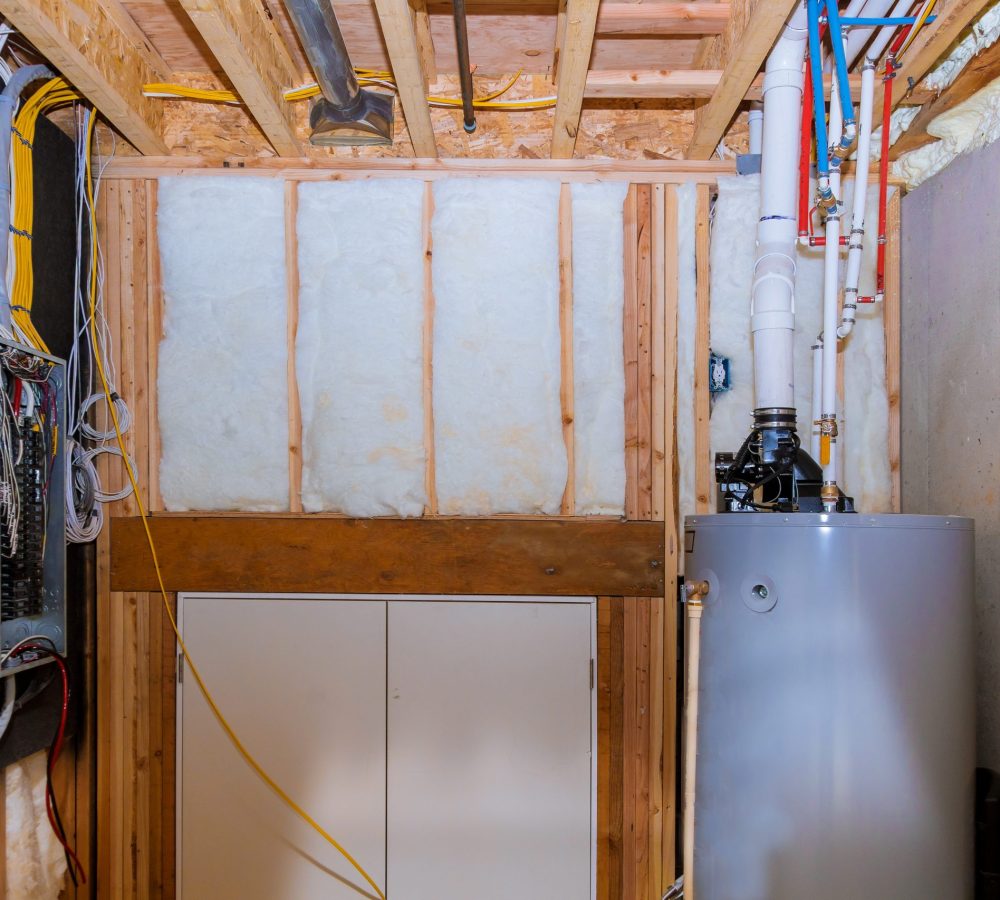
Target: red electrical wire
54, 752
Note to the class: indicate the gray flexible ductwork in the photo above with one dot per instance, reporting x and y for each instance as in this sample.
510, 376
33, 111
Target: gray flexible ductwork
8, 103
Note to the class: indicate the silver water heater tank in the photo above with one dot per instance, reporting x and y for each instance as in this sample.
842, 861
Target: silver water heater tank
836, 707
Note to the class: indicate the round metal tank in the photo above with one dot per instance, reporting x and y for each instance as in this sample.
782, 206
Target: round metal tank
836, 707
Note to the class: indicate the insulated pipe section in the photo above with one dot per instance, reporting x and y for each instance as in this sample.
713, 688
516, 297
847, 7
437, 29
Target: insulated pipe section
860, 201
772, 305
8, 104
464, 68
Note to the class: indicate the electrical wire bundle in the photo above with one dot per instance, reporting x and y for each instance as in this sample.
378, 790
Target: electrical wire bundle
39, 647
366, 78
86, 440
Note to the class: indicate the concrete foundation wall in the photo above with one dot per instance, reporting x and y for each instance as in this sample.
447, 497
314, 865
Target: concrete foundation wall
951, 384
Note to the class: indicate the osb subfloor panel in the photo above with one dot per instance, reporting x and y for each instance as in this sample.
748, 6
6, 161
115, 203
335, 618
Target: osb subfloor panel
625, 129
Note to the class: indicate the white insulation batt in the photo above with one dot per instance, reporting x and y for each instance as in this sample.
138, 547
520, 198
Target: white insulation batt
497, 416
359, 352
865, 418
598, 347
35, 867
222, 386
687, 321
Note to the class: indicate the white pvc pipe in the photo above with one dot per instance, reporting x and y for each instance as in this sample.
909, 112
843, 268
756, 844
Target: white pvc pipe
831, 294
860, 200
772, 305
877, 48
694, 610
755, 120
859, 36
817, 398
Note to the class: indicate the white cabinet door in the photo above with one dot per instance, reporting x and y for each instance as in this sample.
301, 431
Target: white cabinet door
489, 736
303, 683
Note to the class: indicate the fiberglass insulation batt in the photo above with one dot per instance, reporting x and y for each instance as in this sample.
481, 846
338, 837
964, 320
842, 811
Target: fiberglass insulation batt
359, 352
497, 416
598, 348
864, 422
222, 390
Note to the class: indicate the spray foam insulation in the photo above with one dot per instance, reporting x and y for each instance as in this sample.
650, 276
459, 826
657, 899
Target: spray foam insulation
598, 348
864, 420
497, 416
222, 387
359, 352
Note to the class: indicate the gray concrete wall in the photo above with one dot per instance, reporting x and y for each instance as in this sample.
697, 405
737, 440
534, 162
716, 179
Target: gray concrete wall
951, 383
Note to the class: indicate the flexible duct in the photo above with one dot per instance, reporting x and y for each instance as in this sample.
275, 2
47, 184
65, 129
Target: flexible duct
772, 309
8, 104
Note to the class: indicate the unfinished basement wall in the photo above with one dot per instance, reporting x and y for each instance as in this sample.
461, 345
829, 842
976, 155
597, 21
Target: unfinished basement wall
950, 400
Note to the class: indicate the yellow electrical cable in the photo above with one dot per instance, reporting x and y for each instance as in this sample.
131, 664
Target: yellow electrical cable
921, 21
54, 92
366, 78
220, 718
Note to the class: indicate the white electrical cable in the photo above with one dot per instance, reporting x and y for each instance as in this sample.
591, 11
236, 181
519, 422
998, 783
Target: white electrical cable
86, 438
10, 695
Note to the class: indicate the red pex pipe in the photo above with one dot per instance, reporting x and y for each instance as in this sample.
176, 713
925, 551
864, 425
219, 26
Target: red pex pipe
805, 148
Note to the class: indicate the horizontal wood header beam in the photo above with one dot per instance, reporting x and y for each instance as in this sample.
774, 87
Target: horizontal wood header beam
666, 171
291, 553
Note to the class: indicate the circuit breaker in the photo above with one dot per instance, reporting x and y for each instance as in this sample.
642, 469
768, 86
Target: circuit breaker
32, 498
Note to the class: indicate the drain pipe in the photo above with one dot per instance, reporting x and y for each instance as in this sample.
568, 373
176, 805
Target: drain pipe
8, 104
772, 305
696, 592
464, 69
346, 115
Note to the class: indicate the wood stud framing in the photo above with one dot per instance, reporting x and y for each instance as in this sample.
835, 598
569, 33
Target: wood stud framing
636, 671
741, 50
95, 45
253, 55
574, 60
400, 33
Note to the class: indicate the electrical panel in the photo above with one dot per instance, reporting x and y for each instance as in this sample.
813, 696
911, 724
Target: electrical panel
32, 497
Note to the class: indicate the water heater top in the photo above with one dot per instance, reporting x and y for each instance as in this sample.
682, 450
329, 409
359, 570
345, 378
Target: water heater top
827, 520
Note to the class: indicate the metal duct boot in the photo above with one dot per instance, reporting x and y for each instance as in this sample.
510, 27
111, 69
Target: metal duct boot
366, 123
346, 115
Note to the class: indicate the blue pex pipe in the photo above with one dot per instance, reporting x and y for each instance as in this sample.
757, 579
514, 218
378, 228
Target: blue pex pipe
816, 72
840, 58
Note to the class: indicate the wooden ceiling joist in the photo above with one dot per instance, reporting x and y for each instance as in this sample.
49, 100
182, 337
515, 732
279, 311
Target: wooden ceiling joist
399, 31
979, 72
930, 45
574, 60
106, 59
659, 19
750, 33
254, 57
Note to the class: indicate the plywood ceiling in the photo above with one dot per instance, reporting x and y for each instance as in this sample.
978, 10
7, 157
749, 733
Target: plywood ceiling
503, 37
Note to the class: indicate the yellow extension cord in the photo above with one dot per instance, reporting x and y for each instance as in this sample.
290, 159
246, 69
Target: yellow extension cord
220, 718
366, 78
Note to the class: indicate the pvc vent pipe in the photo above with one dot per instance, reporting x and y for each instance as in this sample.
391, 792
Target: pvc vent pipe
346, 114
772, 307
